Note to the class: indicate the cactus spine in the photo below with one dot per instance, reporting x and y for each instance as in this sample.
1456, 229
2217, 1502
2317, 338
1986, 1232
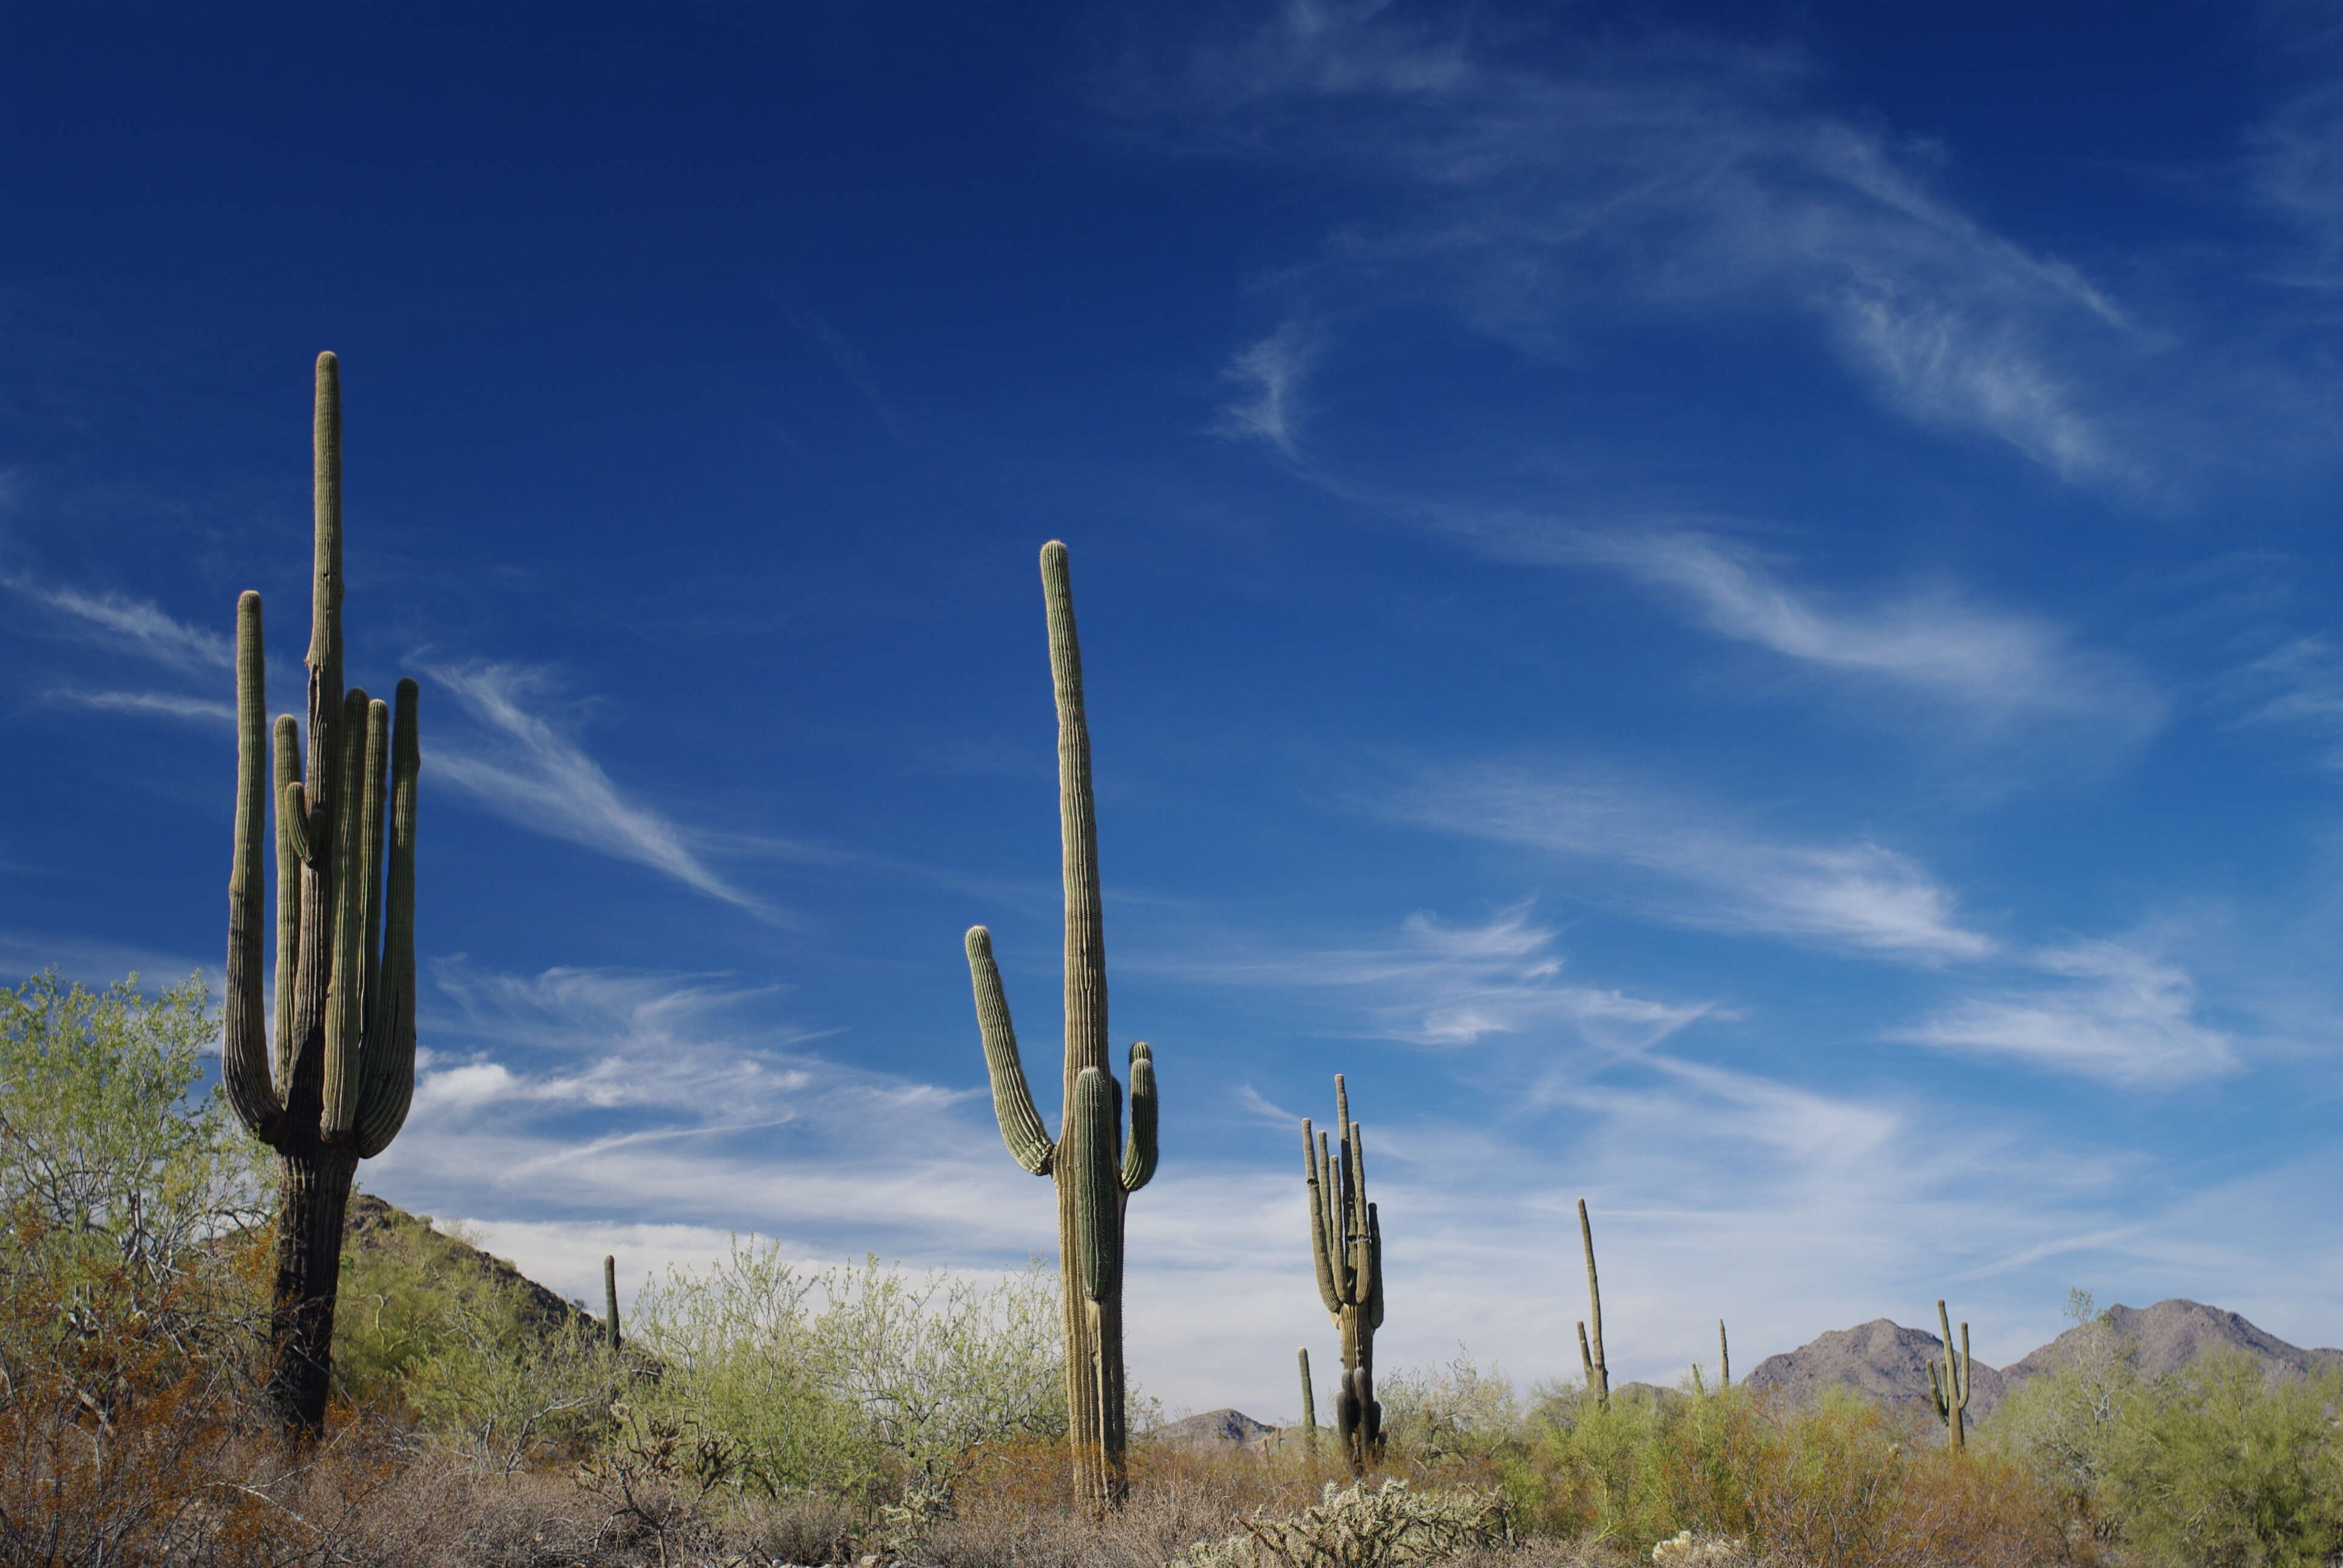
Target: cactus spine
1095, 1171
1347, 1244
1949, 1391
1598, 1371
344, 1069
1309, 1404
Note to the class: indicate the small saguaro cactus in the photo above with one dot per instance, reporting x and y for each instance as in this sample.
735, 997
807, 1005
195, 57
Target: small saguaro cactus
344, 1068
1948, 1388
1094, 1168
1723, 1358
1309, 1404
1346, 1245
1598, 1371
610, 1299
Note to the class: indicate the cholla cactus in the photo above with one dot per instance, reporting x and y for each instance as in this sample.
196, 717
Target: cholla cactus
1352, 1527
1347, 1244
1690, 1549
344, 1071
1095, 1171
1949, 1391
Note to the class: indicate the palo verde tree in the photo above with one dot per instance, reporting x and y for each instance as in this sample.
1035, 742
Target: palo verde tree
1346, 1249
1094, 1170
344, 1068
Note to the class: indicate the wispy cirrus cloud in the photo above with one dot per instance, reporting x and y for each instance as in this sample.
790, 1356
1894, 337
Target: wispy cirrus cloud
1858, 894
2120, 1014
1437, 983
528, 770
1679, 178
160, 704
2000, 666
1269, 375
133, 626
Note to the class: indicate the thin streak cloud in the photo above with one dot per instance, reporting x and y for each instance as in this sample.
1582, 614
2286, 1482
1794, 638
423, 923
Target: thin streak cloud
532, 774
1858, 894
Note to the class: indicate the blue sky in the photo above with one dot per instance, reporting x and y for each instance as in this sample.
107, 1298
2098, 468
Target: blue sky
1730, 610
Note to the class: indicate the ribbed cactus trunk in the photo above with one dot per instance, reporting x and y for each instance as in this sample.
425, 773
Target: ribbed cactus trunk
1950, 1391
344, 1067
1346, 1246
1598, 1370
1094, 1170
1309, 1404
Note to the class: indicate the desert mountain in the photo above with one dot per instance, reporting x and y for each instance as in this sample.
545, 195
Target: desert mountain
2170, 1335
1212, 1428
1881, 1359
1890, 1363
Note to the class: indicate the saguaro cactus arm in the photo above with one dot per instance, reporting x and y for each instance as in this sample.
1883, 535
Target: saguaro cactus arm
1323, 1248
389, 1076
1139, 1153
245, 1071
1021, 1127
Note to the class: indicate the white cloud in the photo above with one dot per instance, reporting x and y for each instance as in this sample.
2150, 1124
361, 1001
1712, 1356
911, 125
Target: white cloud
1858, 894
1438, 984
532, 774
1270, 374
164, 704
1678, 179
2123, 1017
2000, 666
133, 626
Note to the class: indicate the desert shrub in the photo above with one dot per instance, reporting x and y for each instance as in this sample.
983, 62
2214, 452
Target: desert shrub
2062, 1422
852, 1380
1434, 1415
2217, 1467
423, 1330
108, 1153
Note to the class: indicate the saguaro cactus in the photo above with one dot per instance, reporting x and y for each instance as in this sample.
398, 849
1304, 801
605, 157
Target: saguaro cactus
344, 1068
1949, 1391
1723, 1358
1309, 1404
610, 1299
1094, 1168
1347, 1244
1598, 1371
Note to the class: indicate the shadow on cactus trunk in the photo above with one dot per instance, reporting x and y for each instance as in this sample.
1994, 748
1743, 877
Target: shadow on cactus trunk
343, 1069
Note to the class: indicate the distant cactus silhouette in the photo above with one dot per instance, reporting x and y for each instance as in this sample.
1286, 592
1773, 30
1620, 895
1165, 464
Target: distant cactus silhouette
1346, 1245
1950, 1391
1598, 1370
343, 1072
1723, 1358
1095, 1171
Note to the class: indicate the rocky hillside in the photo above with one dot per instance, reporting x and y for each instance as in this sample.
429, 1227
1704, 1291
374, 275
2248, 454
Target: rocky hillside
1890, 1363
1884, 1360
2170, 1335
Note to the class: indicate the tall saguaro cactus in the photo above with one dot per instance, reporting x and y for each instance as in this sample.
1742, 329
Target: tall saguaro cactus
1346, 1245
1598, 1370
1949, 1391
1094, 1168
344, 1068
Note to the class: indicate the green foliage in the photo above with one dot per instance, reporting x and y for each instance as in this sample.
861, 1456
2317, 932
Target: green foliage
2217, 1468
425, 1328
848, 1379
2062, 1421
109, 1151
